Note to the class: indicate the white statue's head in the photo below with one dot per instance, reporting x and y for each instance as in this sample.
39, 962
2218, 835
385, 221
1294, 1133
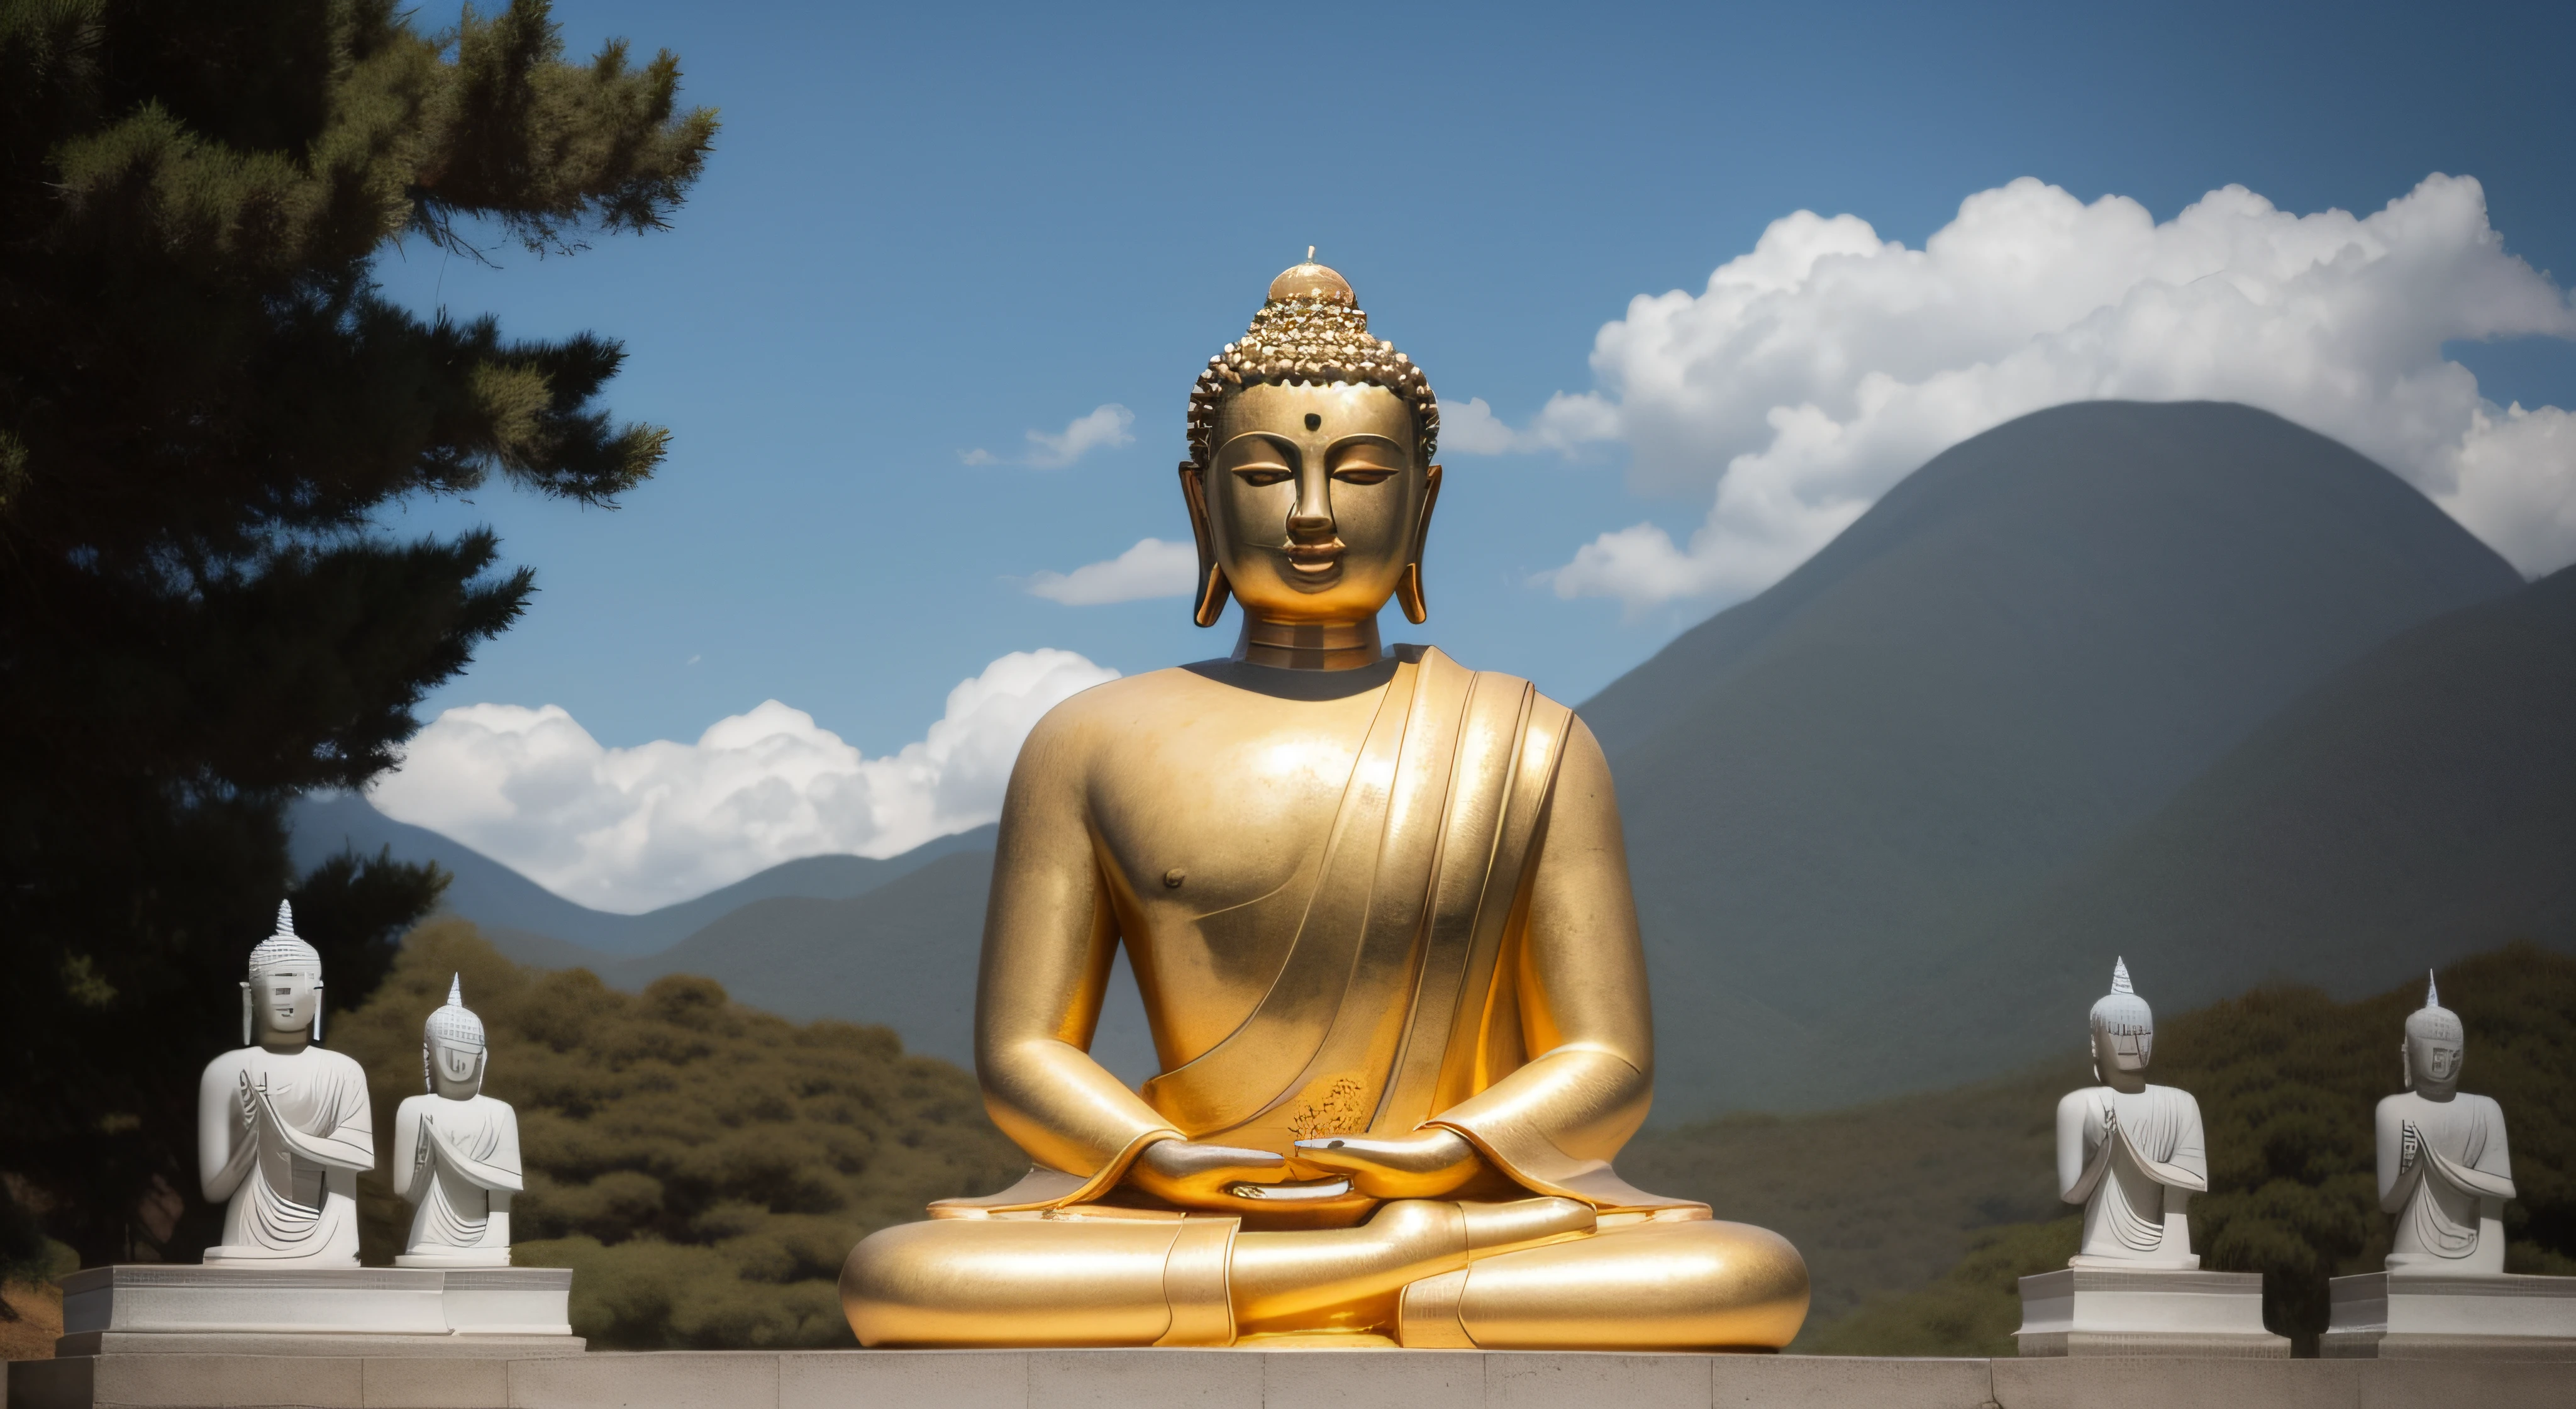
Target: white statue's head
282, 998
2124, 1028
452, 1047
2435, 1046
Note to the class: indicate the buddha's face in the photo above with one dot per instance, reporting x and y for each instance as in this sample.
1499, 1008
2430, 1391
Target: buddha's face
2433, 1064
455, 1068
284, 1004
2119, 1047
1315, 499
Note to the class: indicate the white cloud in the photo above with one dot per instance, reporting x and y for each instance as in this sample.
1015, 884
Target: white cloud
1153, 568
636, 828
1816, 370
1473, 429
1103, 425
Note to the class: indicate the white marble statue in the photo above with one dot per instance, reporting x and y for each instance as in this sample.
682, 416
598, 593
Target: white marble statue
456, 1150
2129, 1152
283, 1128
2443, 1167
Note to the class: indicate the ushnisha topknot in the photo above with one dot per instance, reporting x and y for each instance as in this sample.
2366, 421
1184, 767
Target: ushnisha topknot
284, 951
2433, 1022
453, 1021
1311, 331
450, 1022
2121, 1012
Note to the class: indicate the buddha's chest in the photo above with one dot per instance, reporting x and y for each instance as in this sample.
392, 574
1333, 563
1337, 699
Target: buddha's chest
301, 1090
1217, 808
1212, 828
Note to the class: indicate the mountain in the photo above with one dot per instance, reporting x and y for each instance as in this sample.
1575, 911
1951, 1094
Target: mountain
2418, 805
893, 941
2025, 648
533, 924
903, 954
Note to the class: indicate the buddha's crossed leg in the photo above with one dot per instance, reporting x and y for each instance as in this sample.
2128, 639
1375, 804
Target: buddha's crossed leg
1534, 1273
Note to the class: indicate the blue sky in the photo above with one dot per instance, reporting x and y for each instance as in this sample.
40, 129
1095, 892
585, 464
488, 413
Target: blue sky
931, 230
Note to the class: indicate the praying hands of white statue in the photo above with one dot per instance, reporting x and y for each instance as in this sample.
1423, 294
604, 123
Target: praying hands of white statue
483, 1172
329, 1151
2172, 1176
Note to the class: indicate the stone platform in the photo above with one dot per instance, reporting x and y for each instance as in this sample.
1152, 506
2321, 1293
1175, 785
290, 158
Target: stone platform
2087, 1311
2440, 1316
190, 1309
1261, 1379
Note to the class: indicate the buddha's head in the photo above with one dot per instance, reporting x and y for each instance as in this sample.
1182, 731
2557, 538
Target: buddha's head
2124, 1033
2436, 1044
282, 998
1310, 483
452, 1046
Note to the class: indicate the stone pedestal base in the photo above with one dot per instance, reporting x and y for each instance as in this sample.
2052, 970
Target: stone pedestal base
2447, 1316
366, 1311
2098, 1311
1262, 1379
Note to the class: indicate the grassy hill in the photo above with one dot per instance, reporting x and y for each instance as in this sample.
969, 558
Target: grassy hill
1917, 1216
2024, 649
703, 1166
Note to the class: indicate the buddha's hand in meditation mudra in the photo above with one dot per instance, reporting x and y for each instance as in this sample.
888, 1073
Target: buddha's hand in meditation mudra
1422, 1165
1224, 1178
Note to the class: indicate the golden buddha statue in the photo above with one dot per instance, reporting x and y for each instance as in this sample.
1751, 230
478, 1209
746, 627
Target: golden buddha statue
1377, 906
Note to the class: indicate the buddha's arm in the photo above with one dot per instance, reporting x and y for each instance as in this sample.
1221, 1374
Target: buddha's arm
349, 1145
1582, 989
2188, 1170
2077, 1174
1048, 939
2497, 1157
411, 1157
226, 1139
487, 1172
2398, 1173
2465, 1178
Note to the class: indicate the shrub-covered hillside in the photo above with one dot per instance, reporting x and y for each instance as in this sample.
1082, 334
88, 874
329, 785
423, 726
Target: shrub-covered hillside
703, 1166
2286, 1078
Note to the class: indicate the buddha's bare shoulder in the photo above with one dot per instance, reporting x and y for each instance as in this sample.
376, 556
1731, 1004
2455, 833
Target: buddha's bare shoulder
1115, 707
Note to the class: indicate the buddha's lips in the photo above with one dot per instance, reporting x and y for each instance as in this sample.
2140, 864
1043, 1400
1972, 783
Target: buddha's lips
1316, 557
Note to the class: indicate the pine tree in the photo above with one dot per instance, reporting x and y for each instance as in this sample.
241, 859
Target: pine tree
204, 401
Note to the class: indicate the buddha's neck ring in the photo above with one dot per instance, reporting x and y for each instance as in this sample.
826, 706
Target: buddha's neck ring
1307, 645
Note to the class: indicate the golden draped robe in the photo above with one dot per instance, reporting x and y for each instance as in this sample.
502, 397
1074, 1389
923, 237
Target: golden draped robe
1407, 994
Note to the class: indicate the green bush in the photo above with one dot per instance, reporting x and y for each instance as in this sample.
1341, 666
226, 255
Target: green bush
703, 1167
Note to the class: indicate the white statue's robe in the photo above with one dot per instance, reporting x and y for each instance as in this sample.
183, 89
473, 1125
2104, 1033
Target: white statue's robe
458, 1162
2450, 1201
281, 1139
2133, 1160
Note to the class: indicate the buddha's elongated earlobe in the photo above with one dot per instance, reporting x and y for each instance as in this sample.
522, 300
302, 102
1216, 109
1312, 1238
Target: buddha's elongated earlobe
1408, 588
317, 1012
246, 1034
1212, 588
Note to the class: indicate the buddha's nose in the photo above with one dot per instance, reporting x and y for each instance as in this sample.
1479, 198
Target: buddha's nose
1313, 516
